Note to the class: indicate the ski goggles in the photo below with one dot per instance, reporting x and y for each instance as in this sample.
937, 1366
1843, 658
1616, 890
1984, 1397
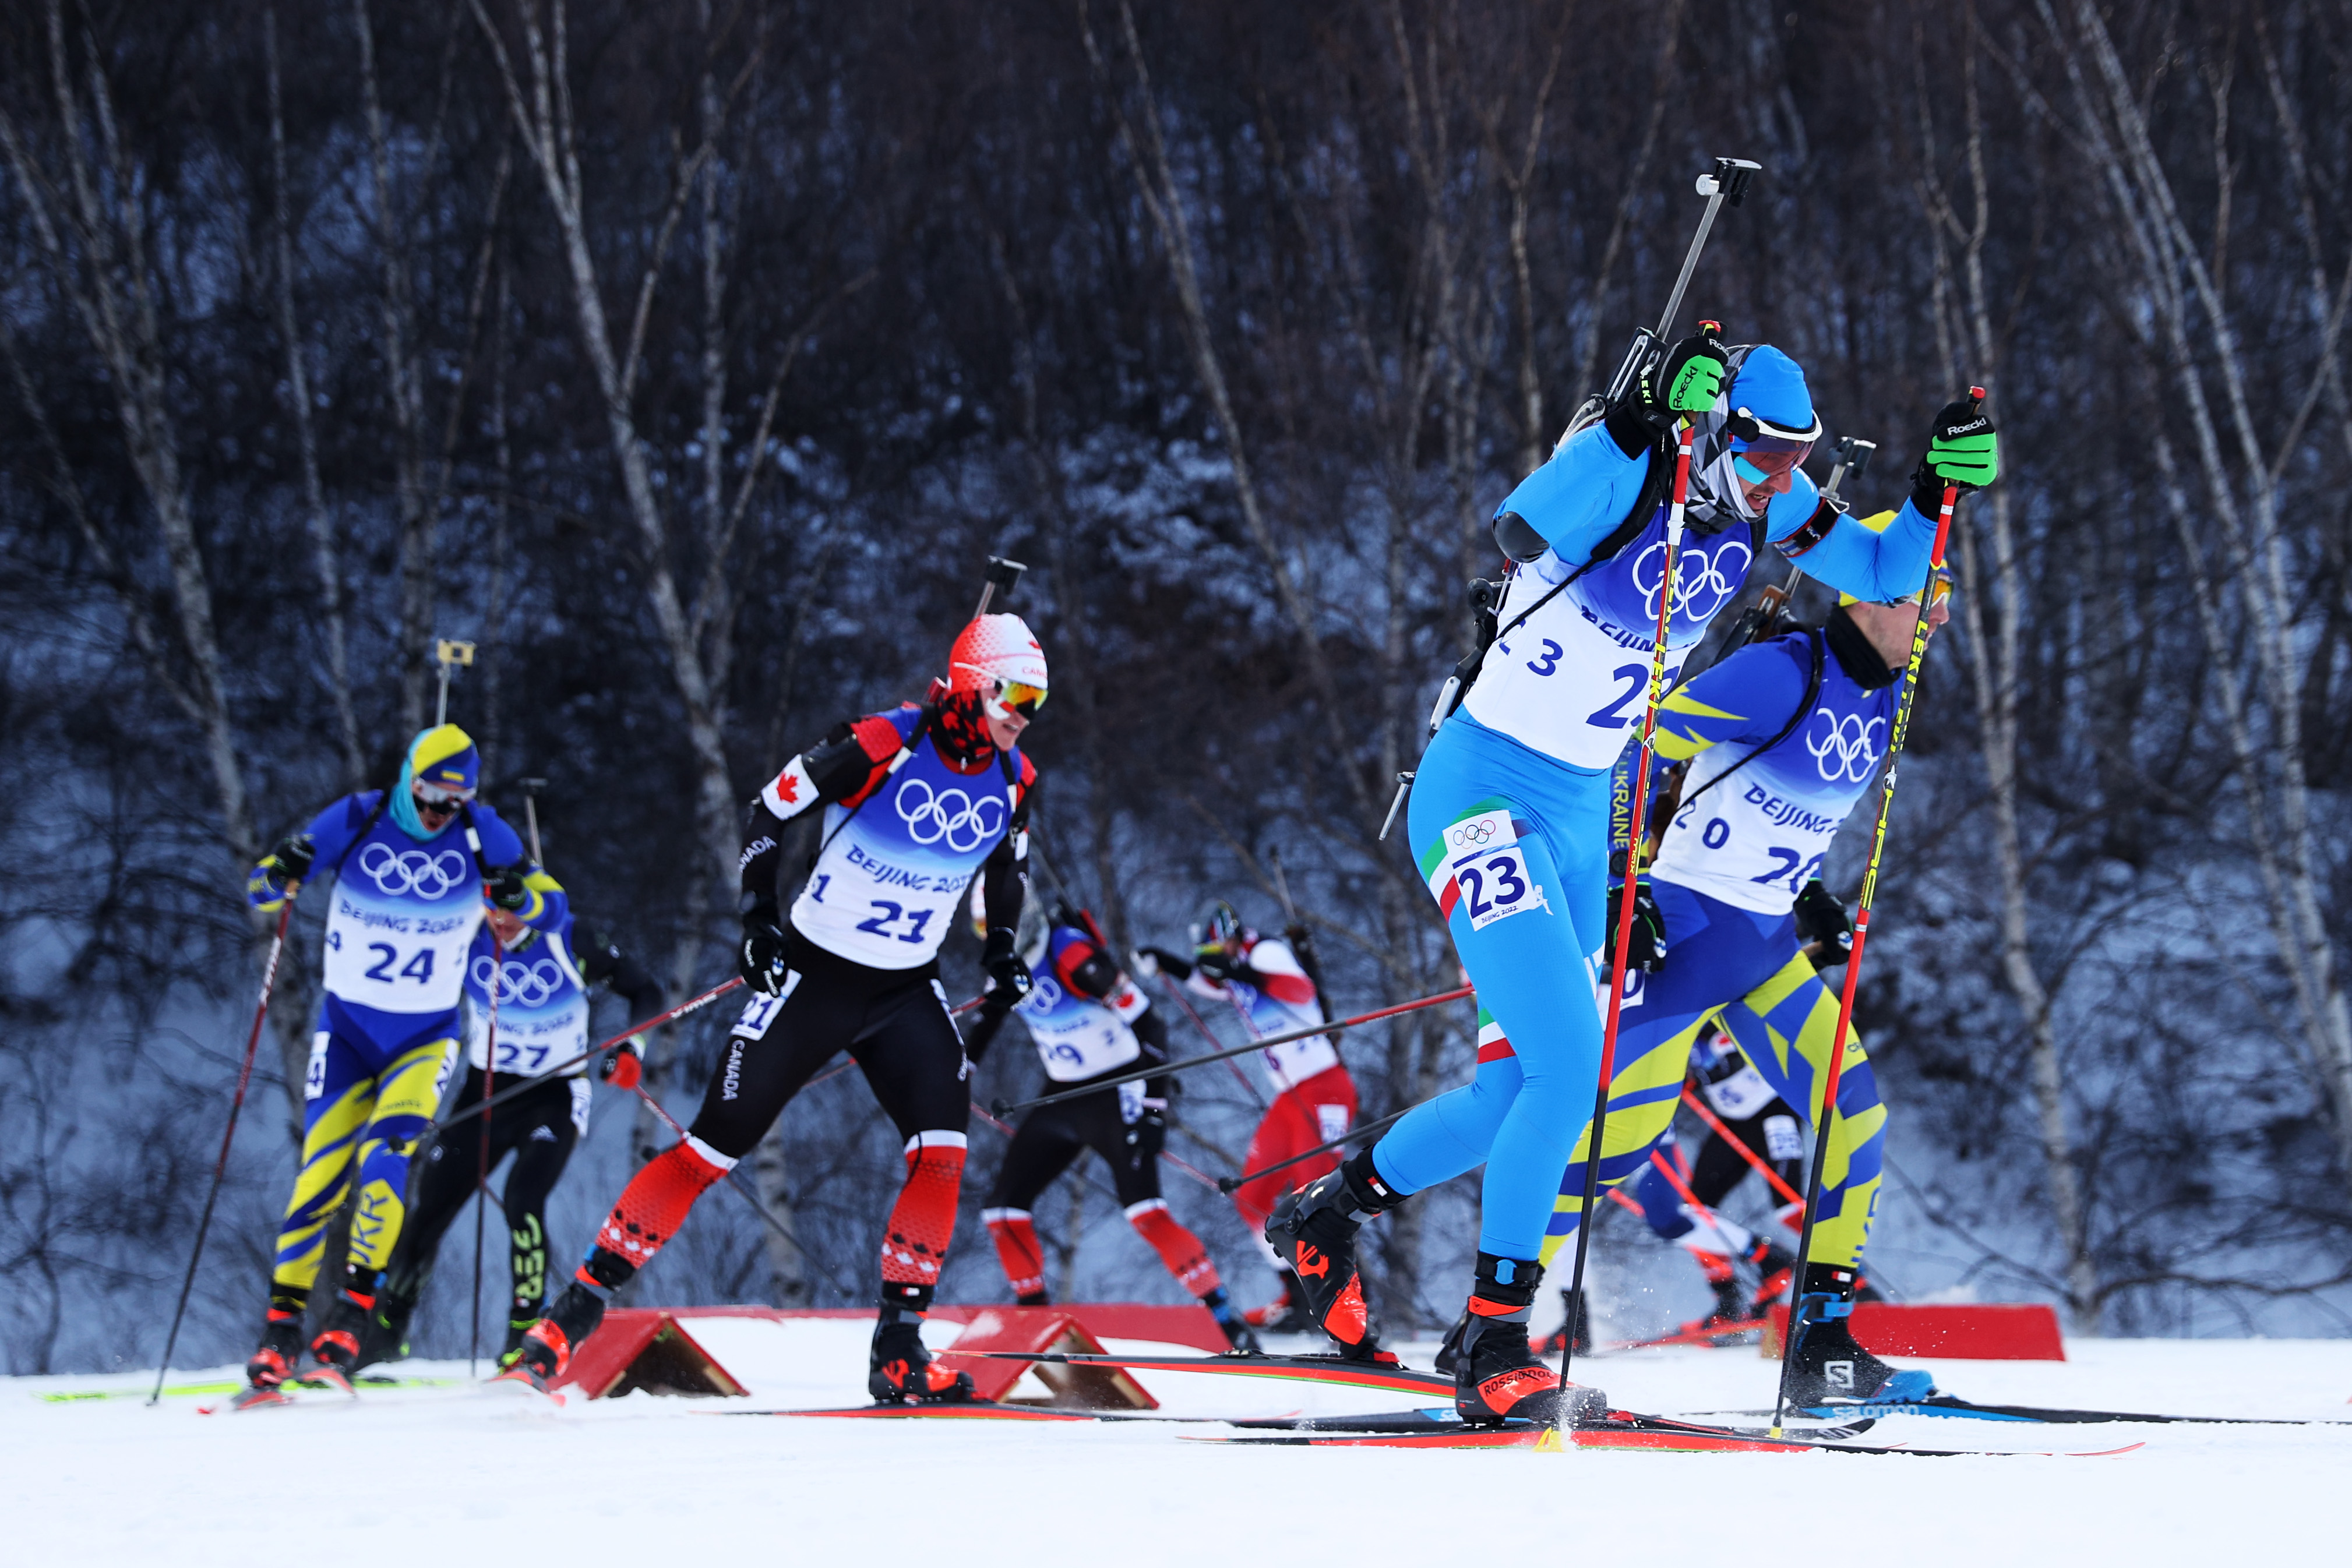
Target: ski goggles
1938, 591
1019, 696
442, 798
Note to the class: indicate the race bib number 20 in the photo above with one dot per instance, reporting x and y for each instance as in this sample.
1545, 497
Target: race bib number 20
1490, 868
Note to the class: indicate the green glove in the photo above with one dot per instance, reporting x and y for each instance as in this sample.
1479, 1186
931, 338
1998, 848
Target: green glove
1686, 379
1962, 449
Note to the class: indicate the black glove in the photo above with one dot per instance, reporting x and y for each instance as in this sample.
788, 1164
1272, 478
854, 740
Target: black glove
291, 857
1161, 961
504, 886
1686, 378
1822, 921
1216, 963
1008, 977
1962, 449
1646, 948
760, 959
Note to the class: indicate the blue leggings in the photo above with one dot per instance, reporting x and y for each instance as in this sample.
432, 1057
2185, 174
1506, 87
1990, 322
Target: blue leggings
1514, 846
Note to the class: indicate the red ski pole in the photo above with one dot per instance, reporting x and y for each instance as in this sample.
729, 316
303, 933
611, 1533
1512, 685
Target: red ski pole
220, 1167
1821, 1122
1763, 1166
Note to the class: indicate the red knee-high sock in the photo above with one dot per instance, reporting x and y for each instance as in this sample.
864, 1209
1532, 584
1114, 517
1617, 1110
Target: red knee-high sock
654, 1203
1178, 1248
1014, 1231
922, 1221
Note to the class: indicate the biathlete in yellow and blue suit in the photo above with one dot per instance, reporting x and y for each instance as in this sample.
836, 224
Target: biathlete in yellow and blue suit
1508, 818
414, 866
1782, 739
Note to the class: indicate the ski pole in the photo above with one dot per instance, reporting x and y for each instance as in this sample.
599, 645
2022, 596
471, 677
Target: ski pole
1763, 1166
1231, 1185
679, 1012
1822, 1123
236, 1104
482, 1170
1285, 1037
1600, 1123
748, 1195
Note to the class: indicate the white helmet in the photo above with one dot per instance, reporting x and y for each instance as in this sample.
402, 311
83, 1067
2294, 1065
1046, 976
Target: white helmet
998, 657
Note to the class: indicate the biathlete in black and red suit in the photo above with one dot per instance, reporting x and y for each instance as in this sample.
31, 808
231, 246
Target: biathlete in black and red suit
918, 801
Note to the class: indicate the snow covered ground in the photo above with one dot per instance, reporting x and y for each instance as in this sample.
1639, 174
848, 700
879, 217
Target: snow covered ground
462, 1476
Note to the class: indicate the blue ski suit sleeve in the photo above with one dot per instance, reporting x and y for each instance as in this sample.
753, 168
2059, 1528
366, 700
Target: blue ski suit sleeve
1747, 697
1880, 562
1579, 496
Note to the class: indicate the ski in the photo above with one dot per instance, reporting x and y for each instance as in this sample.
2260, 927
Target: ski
1624, 1432
1949, 1407
247, 1397
188, 1390
1326, 1369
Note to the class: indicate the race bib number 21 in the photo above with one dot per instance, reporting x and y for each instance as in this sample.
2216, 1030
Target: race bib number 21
1491, 868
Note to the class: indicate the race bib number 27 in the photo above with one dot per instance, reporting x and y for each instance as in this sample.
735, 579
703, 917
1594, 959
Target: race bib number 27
1490, 869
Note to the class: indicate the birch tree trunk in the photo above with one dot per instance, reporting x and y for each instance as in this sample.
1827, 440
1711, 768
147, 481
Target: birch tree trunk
1993, 664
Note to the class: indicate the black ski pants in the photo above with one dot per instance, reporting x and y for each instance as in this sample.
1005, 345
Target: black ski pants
539, 1127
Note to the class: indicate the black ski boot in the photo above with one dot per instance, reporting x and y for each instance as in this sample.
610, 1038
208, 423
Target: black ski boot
899, 1369
1731, 1309
334, 1357
1825, 1363
1497, 1377
1237, 1327
281, 1347
1314, 1231
383, 1335
548, 1345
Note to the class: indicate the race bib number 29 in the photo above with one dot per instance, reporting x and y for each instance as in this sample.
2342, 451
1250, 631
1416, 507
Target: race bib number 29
1491, 868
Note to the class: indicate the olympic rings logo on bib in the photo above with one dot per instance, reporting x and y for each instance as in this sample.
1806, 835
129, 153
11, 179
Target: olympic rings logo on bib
949, 814
1696, 572
1845, 754
1462, 835
526, 986
402, 872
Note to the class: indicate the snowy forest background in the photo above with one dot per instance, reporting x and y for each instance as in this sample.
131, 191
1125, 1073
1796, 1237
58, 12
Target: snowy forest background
690, 357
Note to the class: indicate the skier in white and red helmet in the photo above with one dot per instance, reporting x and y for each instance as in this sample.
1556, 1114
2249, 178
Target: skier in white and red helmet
917, 803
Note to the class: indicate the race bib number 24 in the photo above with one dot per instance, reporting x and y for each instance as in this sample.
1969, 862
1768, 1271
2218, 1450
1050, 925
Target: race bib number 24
1491, 868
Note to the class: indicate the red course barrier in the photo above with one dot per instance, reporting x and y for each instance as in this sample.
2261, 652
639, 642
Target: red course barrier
654, 1348
2018, 1330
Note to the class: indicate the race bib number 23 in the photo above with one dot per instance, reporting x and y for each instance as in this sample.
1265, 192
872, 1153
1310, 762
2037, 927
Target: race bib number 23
1490, 868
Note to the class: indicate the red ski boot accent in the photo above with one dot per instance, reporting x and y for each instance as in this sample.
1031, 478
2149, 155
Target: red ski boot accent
545, 1353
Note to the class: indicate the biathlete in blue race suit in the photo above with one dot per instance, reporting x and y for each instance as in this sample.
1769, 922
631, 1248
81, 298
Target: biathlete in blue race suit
409, 896
917, 803
1508, 813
